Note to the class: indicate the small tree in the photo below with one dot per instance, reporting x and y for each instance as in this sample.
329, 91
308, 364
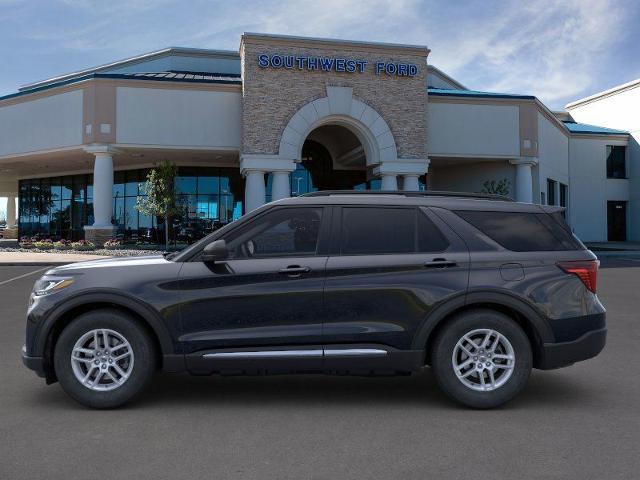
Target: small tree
160, 191
500, 187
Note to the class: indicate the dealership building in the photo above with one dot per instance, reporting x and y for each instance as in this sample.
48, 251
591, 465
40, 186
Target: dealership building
287, 115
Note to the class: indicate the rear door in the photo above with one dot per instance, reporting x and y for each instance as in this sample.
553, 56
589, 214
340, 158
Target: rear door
388, 267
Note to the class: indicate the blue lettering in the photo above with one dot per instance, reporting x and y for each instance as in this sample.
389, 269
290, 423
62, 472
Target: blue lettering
288, 61
276, 61
301, 62
327, 63
361, 65
263, 60
413, 70
379, 67
351, 66
403, 69
312, 63
340, 64
391, 69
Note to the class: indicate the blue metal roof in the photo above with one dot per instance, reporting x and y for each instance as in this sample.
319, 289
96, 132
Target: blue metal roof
445, 92
187, 77
585, 128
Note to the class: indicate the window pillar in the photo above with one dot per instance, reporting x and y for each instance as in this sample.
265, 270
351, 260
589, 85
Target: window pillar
524, 178
102, 229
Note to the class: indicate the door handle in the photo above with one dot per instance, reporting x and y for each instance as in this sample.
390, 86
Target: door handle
294, 270
440, 263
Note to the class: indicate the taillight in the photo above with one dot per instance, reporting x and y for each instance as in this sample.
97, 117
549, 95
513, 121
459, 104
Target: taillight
585, 270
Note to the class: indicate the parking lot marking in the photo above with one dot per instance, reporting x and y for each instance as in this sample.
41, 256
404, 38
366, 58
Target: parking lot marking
23, 275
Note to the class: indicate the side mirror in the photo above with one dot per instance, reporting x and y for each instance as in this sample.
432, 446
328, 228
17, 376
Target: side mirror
215, 251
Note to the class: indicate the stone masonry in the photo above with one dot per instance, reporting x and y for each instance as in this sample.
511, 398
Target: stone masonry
271, 96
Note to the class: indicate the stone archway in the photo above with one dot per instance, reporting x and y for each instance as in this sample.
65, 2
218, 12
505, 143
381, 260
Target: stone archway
340, 108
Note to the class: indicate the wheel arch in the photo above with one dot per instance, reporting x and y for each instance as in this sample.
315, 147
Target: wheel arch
71, 308
526, 316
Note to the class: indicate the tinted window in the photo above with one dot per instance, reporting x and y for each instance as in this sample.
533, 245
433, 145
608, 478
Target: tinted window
283, 232
522, 232
616, 167
378, 230
430, 239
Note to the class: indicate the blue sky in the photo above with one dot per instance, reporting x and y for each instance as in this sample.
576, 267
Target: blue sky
556, 50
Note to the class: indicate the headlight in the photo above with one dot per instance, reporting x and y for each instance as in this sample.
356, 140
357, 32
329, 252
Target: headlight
45, 286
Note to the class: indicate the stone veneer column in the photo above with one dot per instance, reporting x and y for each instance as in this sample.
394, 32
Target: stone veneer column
102, 229
524, 178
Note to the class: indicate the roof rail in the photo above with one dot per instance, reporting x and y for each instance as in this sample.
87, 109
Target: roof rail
425, 193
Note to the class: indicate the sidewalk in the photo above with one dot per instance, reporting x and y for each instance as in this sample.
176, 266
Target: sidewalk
35, 259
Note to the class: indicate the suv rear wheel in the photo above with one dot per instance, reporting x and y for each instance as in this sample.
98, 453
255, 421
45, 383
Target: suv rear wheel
104, 358
481, 358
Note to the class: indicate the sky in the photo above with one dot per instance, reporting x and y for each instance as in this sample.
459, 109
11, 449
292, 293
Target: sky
557, 50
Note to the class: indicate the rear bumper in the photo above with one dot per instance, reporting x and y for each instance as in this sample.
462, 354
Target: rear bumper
33, 363
556, 355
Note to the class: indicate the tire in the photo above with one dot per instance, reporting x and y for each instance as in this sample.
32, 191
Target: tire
509, 340
136, 362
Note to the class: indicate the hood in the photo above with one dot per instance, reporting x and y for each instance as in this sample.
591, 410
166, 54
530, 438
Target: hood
110, 262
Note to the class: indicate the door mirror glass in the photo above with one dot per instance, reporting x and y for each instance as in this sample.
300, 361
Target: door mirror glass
215, 251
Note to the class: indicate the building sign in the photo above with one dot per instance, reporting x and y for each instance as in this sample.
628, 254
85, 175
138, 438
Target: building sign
335, 64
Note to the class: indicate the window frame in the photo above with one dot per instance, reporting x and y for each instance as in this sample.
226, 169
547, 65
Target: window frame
337, 231
323, 233
608, 150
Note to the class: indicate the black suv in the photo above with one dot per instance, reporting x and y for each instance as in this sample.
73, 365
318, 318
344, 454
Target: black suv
479, 288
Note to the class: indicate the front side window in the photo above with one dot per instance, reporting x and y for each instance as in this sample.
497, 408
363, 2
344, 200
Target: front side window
616, 161
283, 232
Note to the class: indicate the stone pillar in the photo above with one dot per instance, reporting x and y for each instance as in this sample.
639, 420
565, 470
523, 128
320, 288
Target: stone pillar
389, 182
11, 211
280, 187
410, 183
102, 229
254, 190
524, 179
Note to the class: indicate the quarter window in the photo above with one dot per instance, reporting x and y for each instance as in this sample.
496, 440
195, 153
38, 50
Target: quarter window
284, 232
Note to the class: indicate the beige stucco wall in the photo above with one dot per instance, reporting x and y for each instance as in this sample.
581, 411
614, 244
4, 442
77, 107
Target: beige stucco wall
271, 96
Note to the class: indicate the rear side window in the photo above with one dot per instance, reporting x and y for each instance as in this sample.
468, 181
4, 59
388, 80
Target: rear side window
368, 230
521, 231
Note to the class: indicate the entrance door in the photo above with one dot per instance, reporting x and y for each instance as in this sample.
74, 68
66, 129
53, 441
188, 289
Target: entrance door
617, 221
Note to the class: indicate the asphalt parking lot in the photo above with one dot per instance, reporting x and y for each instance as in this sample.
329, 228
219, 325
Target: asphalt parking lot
579, 422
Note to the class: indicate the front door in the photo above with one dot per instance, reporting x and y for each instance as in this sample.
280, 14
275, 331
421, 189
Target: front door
617, 221
265, 302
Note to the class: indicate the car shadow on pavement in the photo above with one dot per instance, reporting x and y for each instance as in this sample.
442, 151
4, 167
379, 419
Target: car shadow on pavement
420, 390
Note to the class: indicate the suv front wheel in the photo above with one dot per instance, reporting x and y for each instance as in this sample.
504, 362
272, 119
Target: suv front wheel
481, 358
104, 358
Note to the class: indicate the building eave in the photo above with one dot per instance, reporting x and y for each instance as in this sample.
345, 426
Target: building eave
605, 93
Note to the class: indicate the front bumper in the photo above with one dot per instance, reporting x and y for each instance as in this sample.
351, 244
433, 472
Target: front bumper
556, 355
33, 363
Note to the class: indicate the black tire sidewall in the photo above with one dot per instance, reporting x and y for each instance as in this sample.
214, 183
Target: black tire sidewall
446, 340
141, 344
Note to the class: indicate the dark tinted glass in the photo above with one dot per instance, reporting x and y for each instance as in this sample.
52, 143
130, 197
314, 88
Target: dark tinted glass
283, 232
430, 239
551, 191
616, 161
522, 232
378, 230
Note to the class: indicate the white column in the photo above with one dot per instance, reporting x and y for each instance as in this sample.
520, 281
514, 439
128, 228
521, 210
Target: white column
254, 190
11, 212
524, 179
410, 183
103, 189
389, 182
280, 187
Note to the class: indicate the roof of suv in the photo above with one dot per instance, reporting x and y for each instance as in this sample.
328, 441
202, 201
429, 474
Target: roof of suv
449, 200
